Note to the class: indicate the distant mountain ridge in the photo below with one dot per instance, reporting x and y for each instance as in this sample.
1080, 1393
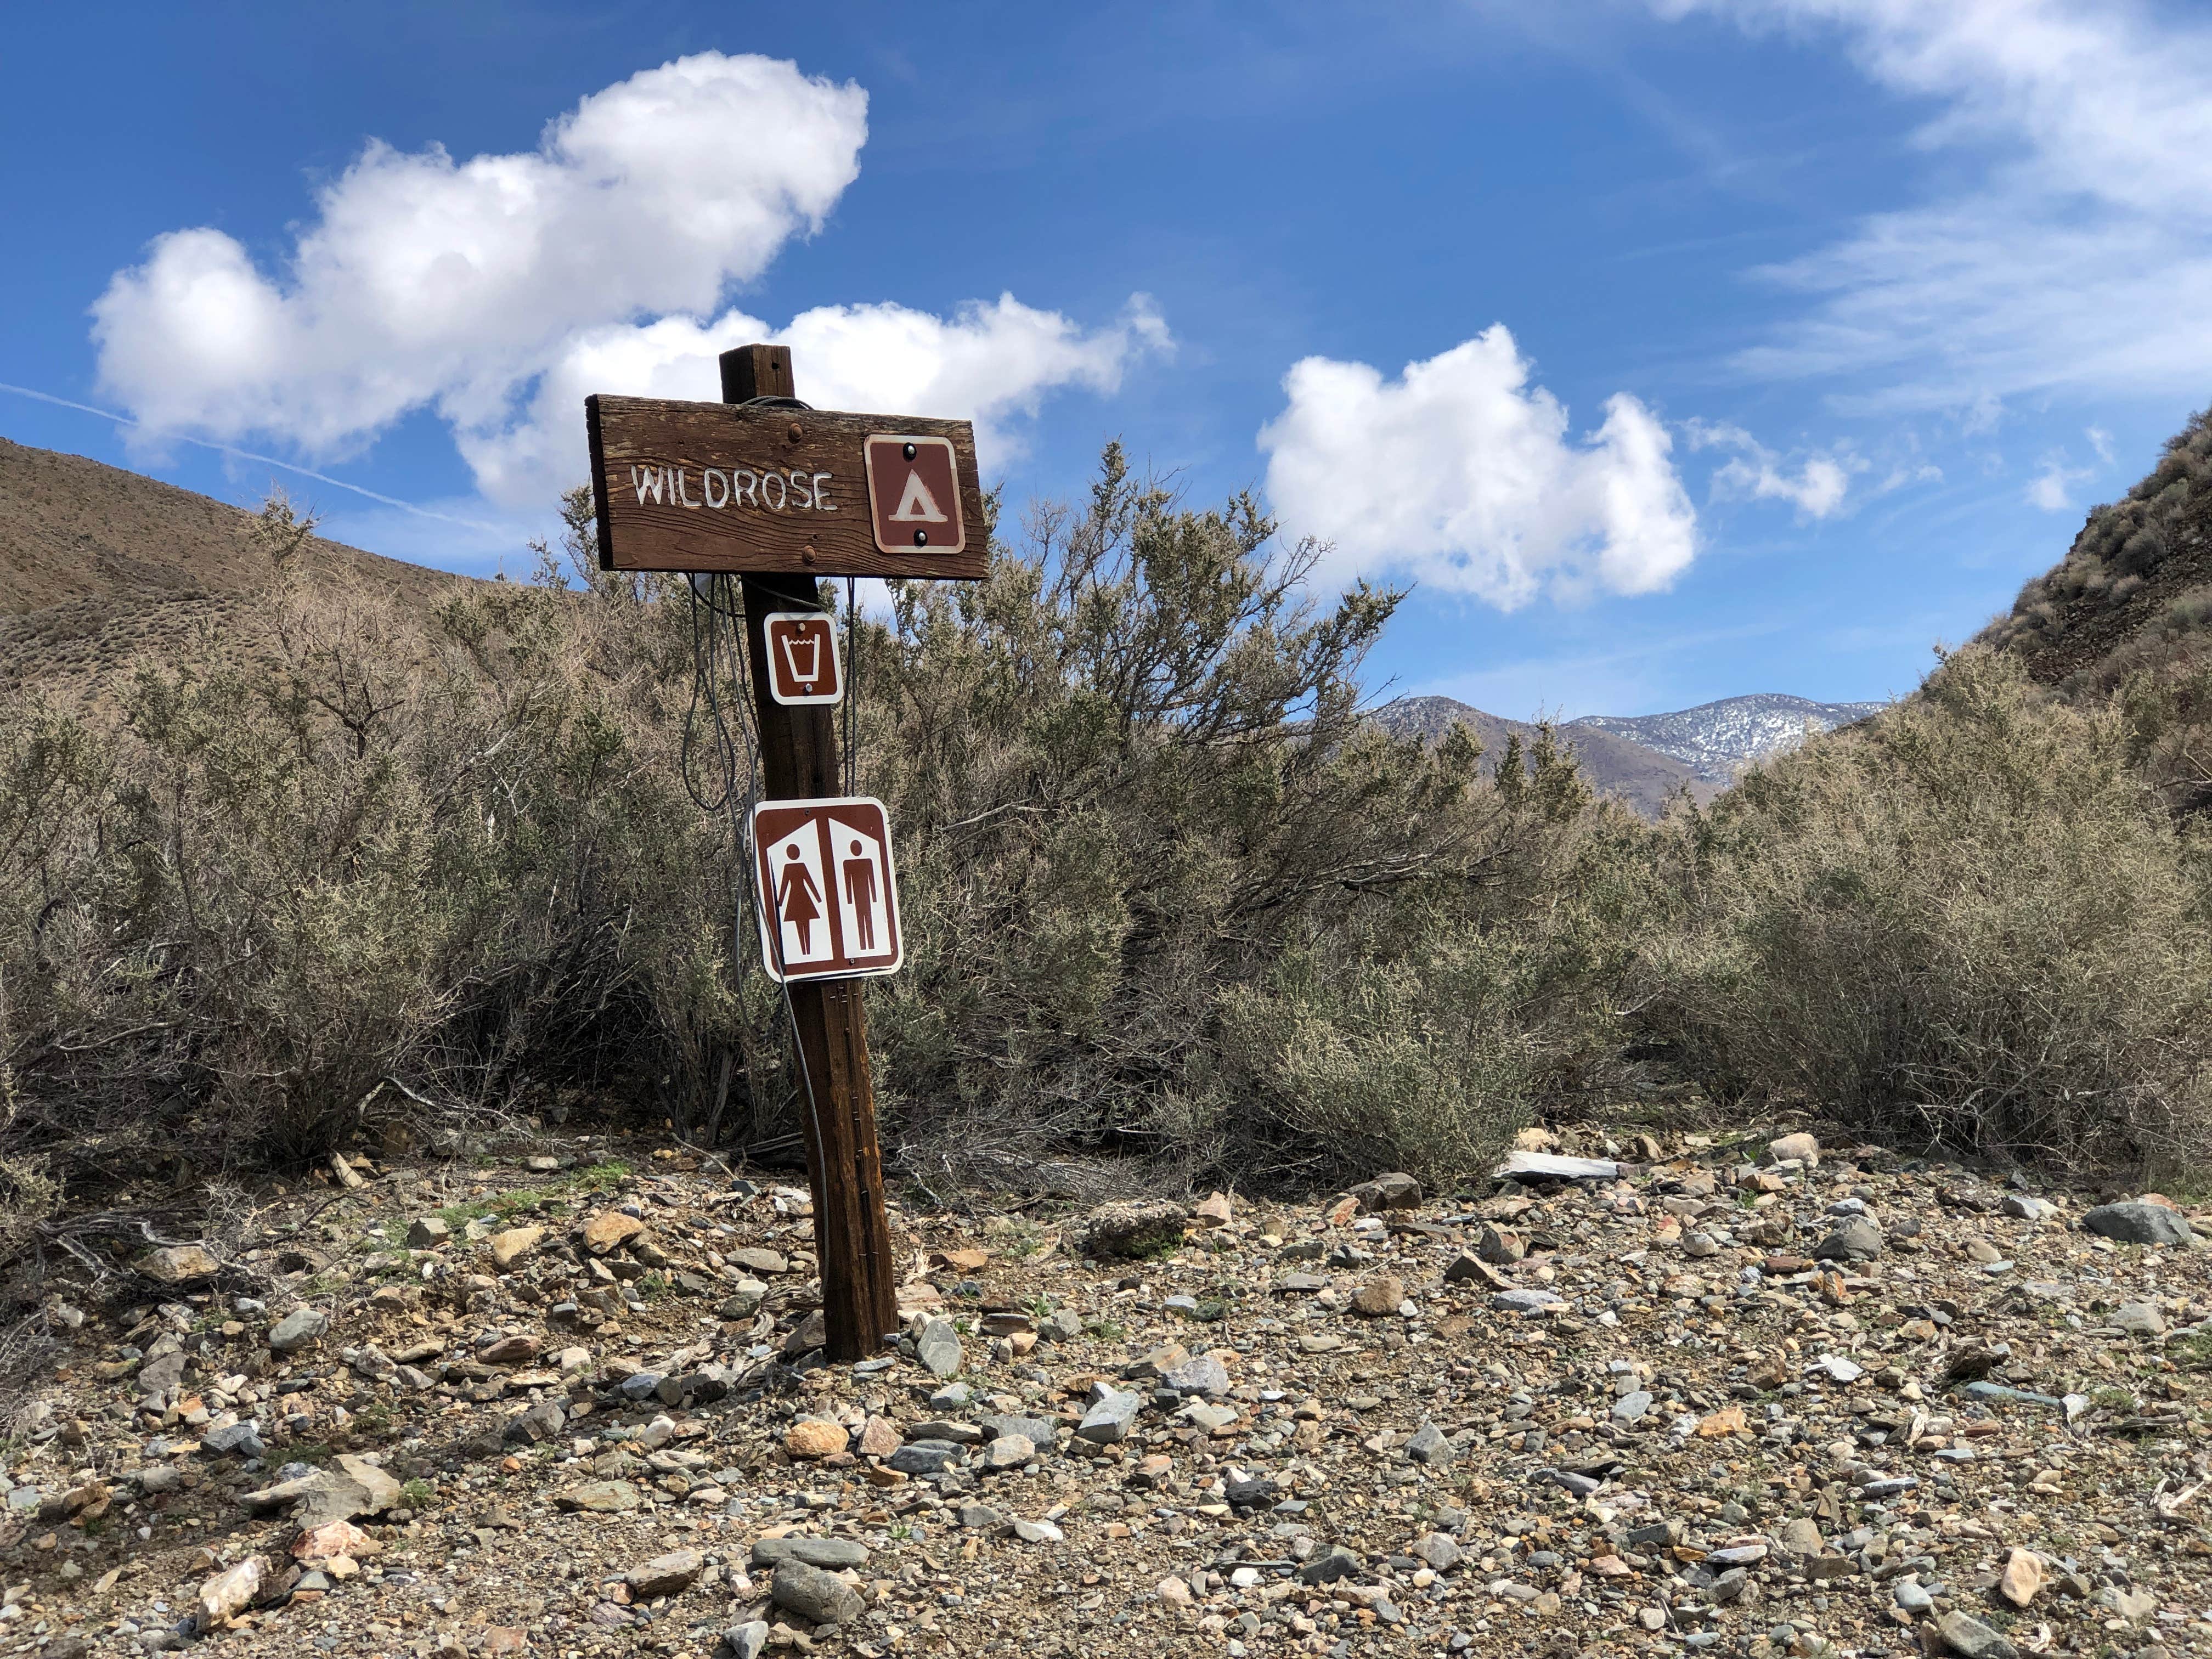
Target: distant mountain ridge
1717, 740
1640, 778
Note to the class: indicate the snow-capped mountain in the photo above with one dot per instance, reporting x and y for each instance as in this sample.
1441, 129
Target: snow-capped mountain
1717, 740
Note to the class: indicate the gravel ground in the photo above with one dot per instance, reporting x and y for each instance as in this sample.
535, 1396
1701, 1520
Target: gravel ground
1716, 1395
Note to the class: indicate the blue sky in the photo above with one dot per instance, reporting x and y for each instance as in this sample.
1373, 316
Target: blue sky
1674, 348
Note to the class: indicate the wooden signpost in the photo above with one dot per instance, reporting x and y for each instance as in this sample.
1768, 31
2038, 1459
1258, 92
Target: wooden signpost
780, 494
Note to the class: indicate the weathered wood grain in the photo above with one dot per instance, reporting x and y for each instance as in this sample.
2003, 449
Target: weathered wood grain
755, 488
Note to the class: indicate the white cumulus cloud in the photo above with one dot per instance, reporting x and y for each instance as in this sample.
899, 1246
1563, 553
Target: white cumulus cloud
989, 363
498, 291
1462, 474
1756, 473
2077, 255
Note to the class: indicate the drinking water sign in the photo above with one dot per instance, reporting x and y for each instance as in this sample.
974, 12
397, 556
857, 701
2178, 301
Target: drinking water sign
803, 665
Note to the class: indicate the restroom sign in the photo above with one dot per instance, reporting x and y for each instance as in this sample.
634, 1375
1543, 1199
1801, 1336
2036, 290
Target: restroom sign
914, 494
803, 665
826, 902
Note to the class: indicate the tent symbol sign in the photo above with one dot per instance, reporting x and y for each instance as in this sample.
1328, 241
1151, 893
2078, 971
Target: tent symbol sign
828, 906
914, 494
802, 657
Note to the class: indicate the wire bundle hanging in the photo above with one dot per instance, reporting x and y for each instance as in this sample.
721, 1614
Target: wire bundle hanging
722, 685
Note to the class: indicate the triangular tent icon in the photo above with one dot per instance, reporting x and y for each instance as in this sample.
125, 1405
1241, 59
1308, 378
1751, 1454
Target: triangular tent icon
917, 505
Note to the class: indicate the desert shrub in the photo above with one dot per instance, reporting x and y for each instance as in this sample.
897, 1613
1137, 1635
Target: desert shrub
389, 858
377, 864
1969, 924
1158, 866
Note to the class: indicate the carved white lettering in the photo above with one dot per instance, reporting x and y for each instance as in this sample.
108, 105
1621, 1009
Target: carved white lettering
802, 494
684, 493
708, 479
822, 493
742, 484
776, 478
646, 483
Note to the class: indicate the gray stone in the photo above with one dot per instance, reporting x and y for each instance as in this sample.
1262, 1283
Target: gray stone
540, 1422
980, 1518
2028, 1207
2140, 1319
243, 1438
1066, 1326
1630, 1407
1855, 1241
1040, 1431
924, 1457
1204, 1375
1970, 1639
1038, 1532
1440, 1550
1111, 1415
1527, 1301
639, 1385
746, 1641
1427, 1445
1394, 1191
960, 1434
1334, 1563
1911, 1597
939, 1349
824, 1553
298, 1329
818, 1597
665, 1575
2138, 1223
1552, 1166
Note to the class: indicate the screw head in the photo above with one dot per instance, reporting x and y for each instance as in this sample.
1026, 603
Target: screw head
796, 431
909, 451
922, 538
806, 556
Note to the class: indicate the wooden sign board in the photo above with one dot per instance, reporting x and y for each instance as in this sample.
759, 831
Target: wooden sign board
751, 488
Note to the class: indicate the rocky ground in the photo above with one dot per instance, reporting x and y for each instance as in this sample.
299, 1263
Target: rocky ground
1717, 1394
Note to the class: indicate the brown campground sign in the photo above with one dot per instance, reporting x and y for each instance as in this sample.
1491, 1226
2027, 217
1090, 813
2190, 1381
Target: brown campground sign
755, 488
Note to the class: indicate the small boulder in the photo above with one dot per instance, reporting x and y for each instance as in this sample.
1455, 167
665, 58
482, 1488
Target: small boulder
1394, 1190
1855, 1241
818, 1597
227, 1595
816, 1436
511, 1246
427, 1233
609, 1230
180, 1265
939, 1349
1144, 1227
2138, 1223
602, 1498
665, 1575
1380, 1297
298, 1329
1800, 1148
2021, 1578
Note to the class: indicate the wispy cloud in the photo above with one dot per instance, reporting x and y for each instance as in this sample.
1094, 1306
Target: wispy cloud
2079, 258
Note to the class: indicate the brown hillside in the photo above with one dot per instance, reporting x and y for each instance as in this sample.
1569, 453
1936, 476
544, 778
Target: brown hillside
100, 567
1641, 779
2134, 591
